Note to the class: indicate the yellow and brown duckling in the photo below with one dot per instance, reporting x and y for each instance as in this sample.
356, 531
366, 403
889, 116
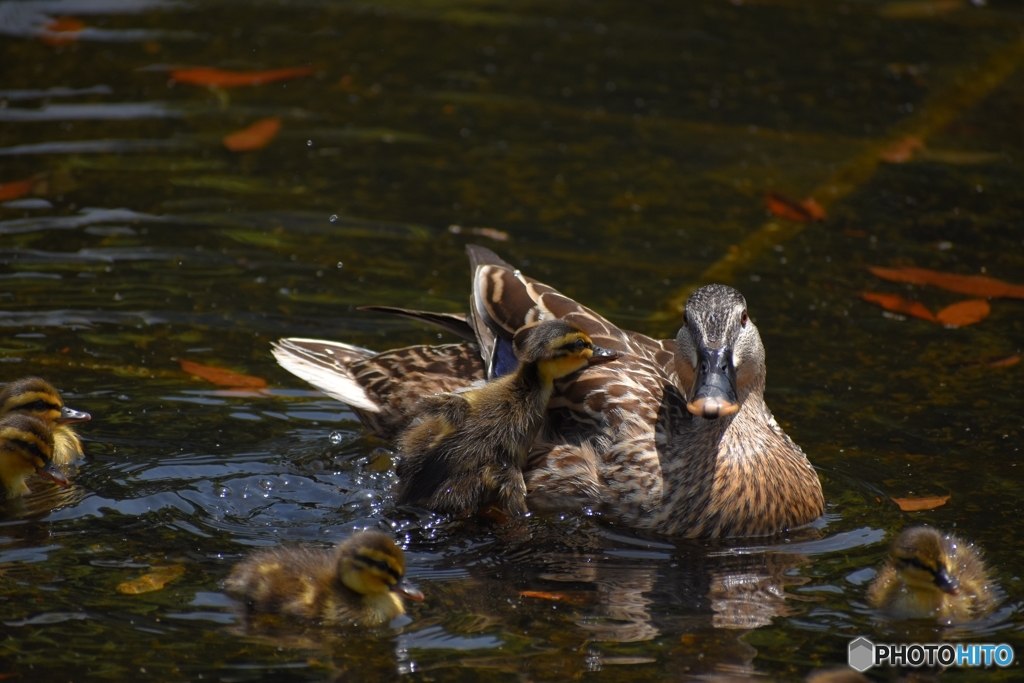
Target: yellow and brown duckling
929, 575
37, 397
26, 448
468, 449
358, 584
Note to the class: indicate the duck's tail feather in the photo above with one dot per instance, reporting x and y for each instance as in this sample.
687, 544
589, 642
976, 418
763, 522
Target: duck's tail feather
455, 323
325, 365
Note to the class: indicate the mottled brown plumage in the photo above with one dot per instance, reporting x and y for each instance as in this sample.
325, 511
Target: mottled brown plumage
26, 448
37, 397
929, 575
358, 584
468, 449
654, 441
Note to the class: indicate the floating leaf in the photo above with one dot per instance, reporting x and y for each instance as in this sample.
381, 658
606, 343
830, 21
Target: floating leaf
924, 503
1007, 362
222, 377
19, 188
233, 79
62, 30
897, 304
964, 313
256, 136
800, 212
902, 150
153, 581
975, 285
572, 597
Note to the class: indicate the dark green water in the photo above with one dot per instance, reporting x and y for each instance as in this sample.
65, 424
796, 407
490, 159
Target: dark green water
622, 148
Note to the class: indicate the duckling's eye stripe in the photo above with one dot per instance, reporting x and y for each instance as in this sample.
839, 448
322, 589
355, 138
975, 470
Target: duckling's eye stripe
381, 565
38, 405
914, 562
31, 447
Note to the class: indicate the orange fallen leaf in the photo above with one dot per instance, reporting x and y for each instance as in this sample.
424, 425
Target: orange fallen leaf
800, 212
786, 208
897, 304
19, 188
491, 233
813, 209
256, 136
975, 285
61, 31
222, 377
153, 581
574, 597
232, 79
924, 503
1007, 362
902, 150
964, 313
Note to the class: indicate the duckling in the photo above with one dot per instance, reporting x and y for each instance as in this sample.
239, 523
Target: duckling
359, 584
931, 575
26, 448
37, 397
468, 449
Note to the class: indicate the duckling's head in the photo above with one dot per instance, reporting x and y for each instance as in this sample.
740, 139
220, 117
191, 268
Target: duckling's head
919, 557
558, 348
26, 448
36, 397
719, 354
371, 564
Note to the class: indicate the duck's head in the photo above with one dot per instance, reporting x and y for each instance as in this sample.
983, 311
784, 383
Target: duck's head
371, 564
26, 448
719, 354
920, 559
558, 348
37, 397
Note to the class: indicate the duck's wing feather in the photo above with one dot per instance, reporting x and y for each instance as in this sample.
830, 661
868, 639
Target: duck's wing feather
456, 323
384, 388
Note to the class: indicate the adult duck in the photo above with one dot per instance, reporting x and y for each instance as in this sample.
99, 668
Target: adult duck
675, 437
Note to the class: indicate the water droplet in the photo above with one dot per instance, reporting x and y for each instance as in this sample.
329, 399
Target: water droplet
221, 491
267, 485
309, 143
340, 264
334, 218
337, 437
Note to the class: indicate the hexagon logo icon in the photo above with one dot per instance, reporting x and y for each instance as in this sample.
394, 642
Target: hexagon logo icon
862, 654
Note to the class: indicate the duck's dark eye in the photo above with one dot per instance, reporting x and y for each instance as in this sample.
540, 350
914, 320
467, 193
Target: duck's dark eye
579, 345
743, 319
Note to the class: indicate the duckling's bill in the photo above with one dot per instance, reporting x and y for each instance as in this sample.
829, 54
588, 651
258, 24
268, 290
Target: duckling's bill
715, 394
946, 582
406, 589
602, 355
69, 415
51, 472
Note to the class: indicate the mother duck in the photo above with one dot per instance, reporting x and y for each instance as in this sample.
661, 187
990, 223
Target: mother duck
673, 437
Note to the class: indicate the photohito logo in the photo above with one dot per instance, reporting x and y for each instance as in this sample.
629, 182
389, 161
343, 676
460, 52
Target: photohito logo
863, 654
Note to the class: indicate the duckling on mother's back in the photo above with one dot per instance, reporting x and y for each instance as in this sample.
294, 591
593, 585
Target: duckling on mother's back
929, 575
468, 449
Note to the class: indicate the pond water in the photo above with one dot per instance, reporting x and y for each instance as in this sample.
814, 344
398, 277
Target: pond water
621, 152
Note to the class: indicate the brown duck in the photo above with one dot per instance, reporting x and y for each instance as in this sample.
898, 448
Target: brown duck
675, 437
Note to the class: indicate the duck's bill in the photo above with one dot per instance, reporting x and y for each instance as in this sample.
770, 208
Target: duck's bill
602, 355
406, 589
946, 582
715, 390
71, 415
53, 474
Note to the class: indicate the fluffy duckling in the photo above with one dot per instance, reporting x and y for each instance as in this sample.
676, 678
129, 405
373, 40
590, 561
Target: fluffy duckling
931, 575
468, 449
26, 448
37, 397
359, 584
